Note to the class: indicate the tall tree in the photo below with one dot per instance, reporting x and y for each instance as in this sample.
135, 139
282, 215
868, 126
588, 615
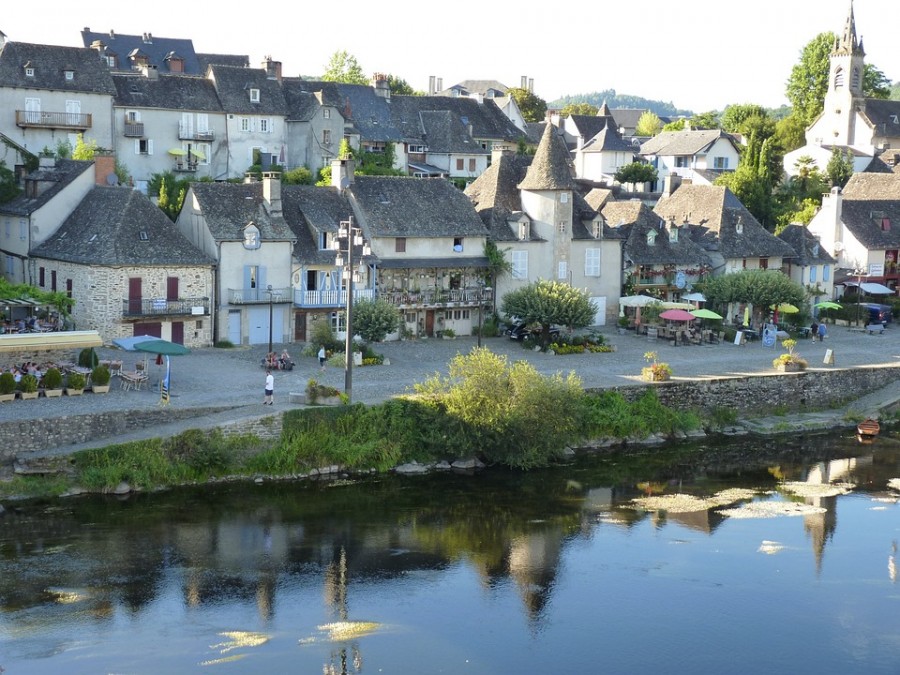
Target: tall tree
875, 83
790, 132
533, 107
546, 302
705, 120
840, 167
578, 109
401, 87
343, 67
677, 125
735, 116
648, 124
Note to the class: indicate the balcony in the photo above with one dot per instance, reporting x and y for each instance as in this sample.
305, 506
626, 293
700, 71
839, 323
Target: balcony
134, 129
187, 133
257, 296
53, 120
440, 297
182, 166
332, 298
143, 307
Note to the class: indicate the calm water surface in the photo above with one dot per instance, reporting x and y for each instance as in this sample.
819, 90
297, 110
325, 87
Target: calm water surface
549, 572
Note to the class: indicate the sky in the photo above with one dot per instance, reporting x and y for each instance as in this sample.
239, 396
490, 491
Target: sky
698, 54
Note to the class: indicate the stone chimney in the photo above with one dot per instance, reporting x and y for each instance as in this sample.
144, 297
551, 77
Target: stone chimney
99, 47
439, 84
430, 85
272, 192
272, 68
523, 82
531, 84
342, 173
104, 167
150, 72
148, 38
671, 183
499, 153
379, 81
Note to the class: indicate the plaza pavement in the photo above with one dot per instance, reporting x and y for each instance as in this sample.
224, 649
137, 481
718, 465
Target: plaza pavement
234, 378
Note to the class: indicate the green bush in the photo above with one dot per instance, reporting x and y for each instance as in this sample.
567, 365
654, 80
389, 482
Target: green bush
224, 344
100, 376
373, 320
7, 383
75, 381
53, 379
87, 358
29, 384
322, 335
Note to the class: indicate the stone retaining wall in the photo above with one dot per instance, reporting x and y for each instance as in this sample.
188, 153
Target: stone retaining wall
791, 392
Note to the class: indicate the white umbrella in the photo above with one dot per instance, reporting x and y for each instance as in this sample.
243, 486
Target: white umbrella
637, 301
694, 297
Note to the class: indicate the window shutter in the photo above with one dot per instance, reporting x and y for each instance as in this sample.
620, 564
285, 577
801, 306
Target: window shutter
150, 147
137, 146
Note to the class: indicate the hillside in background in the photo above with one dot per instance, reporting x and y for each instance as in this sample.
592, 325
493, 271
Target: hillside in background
614, 100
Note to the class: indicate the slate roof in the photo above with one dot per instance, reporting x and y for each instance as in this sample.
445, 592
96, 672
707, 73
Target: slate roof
369, 113
875, 186
445, 133
589, 126
475, 87
551, 168
49, 63
717, 210
236, 60
628, 118
535, 131
637, 220
607, 140
303, 103
53, 181
678, 143
884, 115
414, 207
309, 210
806, 245
172, 92
105, 229
156, 50
486, 118
864, 218
233, 87
228, 207
597, 197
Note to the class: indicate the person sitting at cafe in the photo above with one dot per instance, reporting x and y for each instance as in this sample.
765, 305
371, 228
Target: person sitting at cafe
285, 360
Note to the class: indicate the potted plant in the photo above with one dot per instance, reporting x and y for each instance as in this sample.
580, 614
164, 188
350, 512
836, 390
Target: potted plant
29, 386
623, 325
7, 387
789, 362
656, 371
449, 334
53, 383
100, 380
74, 384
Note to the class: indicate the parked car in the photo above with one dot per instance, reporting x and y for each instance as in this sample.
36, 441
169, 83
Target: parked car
882, 314
520, 330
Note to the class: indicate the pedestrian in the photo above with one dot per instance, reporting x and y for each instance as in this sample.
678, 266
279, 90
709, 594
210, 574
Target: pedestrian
814, 330
322, 358
269, 398
822, 332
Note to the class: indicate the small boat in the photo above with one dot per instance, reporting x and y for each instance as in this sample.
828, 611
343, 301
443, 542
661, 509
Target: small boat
868, 429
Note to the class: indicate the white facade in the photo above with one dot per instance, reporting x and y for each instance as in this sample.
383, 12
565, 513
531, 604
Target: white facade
722, 155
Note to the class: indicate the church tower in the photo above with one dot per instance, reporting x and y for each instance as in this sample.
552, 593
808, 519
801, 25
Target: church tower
845, 85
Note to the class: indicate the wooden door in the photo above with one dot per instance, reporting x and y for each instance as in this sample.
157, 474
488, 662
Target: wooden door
135, 295
178, 332
171, 288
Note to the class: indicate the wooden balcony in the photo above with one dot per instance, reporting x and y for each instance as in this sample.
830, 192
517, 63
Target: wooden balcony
188, 133
141, 307
134, 130
43, 119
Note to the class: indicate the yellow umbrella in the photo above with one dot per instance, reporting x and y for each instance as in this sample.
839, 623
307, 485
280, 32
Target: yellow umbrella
785, 308
746, 316
178, 152
198, 154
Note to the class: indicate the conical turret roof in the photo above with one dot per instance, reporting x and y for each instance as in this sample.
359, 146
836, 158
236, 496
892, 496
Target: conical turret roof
551, 168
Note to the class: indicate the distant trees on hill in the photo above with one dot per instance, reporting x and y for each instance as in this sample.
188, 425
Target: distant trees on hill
614, 100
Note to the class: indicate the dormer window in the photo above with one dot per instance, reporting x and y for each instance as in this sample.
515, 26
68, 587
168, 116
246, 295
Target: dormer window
673, 235
739, 225
326, 113
651, 238
29, 71
69, 74
254, 95
598, 229
251, 237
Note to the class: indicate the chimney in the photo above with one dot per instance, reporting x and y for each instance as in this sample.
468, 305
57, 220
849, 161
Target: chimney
523, 82
671, 183
148, 38
150, 72
112, 34
431, 90
104, 167
272, 68
531, 84
99, 47
342, 173
379, 81
46, 162
498, 153
272, 192
439, 86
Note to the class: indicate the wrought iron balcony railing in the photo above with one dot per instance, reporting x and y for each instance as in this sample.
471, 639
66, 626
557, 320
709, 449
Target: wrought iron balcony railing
162, 307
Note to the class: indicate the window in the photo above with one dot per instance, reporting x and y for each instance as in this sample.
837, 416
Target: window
53, 280
471, 164
720, 162
651, 238
563, 197
143, 146
69, 287
326, 137
826, 272
70, 75
839, 78
337, 322
326, 113
416, 149
562, 270
457, 244
812, 274
245, 124
132, 116
682, 162
524, 230
519, 264
251, 242
459, 163
400, 245
254, 95
29, 72
410, 317
598, 229
41, 278
10, 265
265, 125
592, 262
763, 263
23, 229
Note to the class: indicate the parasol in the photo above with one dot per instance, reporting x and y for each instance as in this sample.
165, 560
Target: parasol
167, 349
677, 315
828, 304
785, 308
694, 297
177, 152
129, 344
705, 314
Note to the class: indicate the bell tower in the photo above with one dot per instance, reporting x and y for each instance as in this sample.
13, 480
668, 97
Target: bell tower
845, 84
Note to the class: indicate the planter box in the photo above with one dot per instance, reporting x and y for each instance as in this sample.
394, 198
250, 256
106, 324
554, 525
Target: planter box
100, 389
788, 367
28, 395
74, 392
53, 393
7, 397
328, 400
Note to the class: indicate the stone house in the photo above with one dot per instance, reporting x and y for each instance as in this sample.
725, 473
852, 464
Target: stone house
129, 270
814, 267
314, 126
242, 228
685, 153
535, 214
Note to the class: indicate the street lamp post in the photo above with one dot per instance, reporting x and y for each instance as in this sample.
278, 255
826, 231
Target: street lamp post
352, 236
269, 291
480, 308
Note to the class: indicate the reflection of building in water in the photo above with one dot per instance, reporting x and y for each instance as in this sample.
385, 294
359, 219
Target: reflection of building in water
821, 526
533, 563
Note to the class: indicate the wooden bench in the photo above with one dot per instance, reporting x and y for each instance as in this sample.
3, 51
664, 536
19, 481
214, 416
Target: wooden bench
875, 329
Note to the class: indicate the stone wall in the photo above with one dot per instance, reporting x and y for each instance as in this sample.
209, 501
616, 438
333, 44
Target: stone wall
793, 392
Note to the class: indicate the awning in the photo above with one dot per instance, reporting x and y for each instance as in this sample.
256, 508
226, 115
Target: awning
871, 287
73, 339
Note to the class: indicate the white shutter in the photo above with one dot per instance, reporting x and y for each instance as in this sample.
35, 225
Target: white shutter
562, 270
520, 264
202, 122
137, 146
150, 147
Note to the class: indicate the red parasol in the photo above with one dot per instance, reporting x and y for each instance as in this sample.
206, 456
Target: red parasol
677, 315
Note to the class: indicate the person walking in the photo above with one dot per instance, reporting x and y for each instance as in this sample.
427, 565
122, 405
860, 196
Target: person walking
322, 358
814, 330
269, 398
822, 332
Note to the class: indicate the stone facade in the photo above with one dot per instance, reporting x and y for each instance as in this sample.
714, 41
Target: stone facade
100, 294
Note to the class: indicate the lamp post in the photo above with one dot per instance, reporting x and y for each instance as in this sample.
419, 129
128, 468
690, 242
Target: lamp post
351, 236
480, 308
269, 291
859, 275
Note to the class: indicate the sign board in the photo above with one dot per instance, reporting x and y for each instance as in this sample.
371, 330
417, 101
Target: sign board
680, 279
197, 311
829, 357
876, 269
739, 338
769, 335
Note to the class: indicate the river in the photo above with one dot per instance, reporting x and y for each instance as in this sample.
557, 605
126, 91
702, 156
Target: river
551, 571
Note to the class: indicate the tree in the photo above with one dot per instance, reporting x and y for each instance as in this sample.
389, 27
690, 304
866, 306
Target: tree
550, 302
637, 172
648, 124
754, 180
735, 115
497, 265
578, 109
790, 132
760, 288
170, 192
299, 176
343, 67
9, 187
400, 87
374, 319
677, 125
533, 107
85, 151
840, 167
707, 120
875, 83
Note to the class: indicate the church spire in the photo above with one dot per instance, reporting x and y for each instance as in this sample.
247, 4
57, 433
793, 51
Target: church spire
847, 43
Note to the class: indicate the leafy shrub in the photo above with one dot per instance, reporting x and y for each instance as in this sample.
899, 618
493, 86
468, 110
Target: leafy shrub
299, 176
490, 327
315, 391
75, 381
29, 384
374, 319
87, 358
322, 336
224, 344
100, 376
202, 452
7, 383
53, 379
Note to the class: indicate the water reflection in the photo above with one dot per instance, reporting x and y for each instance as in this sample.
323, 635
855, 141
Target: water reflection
83, 567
